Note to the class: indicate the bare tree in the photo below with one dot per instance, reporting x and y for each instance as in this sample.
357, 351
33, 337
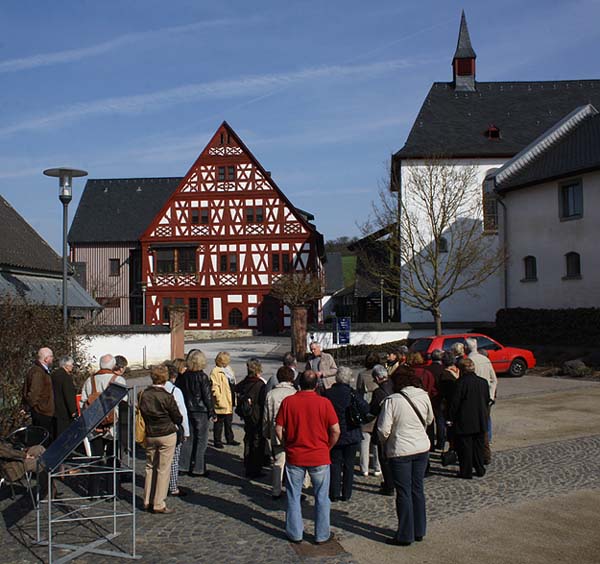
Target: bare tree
426, 242
298, 290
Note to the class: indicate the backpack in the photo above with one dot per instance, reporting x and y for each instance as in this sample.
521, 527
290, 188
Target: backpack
246, 408
109, 420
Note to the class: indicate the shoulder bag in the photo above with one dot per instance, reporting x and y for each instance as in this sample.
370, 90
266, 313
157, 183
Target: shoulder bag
405, 396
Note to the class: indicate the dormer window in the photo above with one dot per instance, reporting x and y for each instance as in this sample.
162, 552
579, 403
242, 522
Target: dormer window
492, 132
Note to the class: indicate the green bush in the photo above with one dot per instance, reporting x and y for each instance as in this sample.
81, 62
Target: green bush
357, 353
25, 328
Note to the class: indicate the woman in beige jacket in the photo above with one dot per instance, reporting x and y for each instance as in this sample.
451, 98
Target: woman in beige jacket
223, 400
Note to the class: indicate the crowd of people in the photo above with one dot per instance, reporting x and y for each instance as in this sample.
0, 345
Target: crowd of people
305, 423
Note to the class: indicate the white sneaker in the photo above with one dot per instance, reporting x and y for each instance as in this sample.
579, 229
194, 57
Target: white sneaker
377, 473
365, 474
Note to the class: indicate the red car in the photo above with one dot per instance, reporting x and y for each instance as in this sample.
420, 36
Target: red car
504, 359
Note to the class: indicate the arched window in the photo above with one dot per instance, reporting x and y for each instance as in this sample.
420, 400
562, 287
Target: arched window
573, 261
530, 265
235, 318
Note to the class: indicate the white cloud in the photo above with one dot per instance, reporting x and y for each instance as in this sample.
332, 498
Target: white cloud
258, 85
72, 55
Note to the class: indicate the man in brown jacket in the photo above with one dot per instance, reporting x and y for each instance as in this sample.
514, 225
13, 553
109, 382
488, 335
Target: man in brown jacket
38, 394
323, 365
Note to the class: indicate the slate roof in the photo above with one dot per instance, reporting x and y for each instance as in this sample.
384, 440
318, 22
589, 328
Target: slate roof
453, 124
119, 209
334, 273
464, 49
21, 246
574, 152
46, 290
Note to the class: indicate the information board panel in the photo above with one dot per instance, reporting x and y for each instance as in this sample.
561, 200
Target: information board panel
89, 420
343, 330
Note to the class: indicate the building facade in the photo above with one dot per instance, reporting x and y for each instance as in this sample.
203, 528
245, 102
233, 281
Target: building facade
551, 208
467, 123
221, 240
104, 242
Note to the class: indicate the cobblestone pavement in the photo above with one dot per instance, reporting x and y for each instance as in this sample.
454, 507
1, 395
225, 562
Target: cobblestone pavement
225, 517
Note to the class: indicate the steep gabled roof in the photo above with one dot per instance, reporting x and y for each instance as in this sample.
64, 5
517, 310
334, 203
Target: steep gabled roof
334, 274
119, 209
464, 49
569, 147
226, 128
454, 124
21, 246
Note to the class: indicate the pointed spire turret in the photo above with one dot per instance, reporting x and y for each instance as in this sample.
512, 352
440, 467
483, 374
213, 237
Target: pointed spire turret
463, 63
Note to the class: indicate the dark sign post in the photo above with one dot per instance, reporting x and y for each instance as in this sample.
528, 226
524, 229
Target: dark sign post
343, 330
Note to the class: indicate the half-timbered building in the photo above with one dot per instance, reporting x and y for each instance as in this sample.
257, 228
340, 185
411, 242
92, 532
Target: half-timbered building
213, 241
221, 240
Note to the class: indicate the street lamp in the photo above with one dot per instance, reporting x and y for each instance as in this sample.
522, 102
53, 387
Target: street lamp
65, 195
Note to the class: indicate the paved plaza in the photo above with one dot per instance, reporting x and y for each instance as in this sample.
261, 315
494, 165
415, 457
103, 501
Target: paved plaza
537, 503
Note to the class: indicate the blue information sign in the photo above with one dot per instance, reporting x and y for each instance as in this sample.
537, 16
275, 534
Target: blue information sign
343, 330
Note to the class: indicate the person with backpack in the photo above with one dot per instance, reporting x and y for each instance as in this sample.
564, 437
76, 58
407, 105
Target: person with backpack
251, 393
343, 453
194, 383
102, 438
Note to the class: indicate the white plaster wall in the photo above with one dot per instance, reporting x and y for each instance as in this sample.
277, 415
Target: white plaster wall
155, 346
534, 228
482, 303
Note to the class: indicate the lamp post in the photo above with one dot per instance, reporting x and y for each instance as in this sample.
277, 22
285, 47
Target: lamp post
65, 195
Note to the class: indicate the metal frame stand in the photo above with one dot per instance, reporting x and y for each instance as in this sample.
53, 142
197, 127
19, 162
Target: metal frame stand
78, 509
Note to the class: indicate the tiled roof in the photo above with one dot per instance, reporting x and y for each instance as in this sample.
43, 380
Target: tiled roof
119, 209
574, 149
453, 123
21, 246
334, 273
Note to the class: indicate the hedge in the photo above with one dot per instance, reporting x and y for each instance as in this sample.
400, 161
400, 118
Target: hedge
548, 326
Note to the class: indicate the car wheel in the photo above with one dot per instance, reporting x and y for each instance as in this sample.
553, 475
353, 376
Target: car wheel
518, 367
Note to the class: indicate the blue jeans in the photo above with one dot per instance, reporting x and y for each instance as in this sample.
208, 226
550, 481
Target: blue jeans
194, 449
294, 477
409, 473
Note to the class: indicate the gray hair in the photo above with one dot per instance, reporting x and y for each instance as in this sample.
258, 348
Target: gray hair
379, 372
471, 344
65, 360
458, 348
289, 359
107, 362
344, 375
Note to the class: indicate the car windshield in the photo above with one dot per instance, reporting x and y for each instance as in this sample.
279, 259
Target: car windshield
450, 341
483, 343
420, 345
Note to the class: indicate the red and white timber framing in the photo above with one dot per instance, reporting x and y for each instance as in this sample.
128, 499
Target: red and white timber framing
209, 212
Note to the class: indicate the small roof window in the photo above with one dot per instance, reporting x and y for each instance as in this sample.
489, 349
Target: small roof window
492, 132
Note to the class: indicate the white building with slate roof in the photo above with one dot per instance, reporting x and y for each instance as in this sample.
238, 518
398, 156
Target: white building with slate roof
485, 124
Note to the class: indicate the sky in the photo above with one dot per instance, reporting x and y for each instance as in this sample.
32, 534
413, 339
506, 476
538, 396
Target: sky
322, 92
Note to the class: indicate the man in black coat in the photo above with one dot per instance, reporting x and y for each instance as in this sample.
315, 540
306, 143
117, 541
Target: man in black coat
469, 414
65, 405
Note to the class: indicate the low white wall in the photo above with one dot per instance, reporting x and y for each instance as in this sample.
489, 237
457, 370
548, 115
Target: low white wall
153, 348
325, 338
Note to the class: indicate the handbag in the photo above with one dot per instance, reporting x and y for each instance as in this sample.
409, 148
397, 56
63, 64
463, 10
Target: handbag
449, 457
140, 424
